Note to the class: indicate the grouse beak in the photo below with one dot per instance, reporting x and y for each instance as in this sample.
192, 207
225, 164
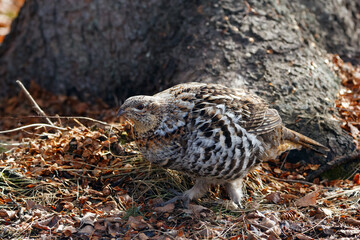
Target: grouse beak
121, 114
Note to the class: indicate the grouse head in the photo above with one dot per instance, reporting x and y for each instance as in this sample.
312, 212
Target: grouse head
145, 112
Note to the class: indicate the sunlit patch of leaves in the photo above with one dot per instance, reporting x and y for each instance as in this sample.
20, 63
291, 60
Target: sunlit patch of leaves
8, 11
348, 102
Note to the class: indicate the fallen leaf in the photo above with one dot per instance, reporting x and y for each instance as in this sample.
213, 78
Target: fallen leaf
69, 231
349, 232
137, 223
41, 227
86, 230
352, 221
314, 167
7, 214
268, 223
167, 208
68, 205
88, 219
287, 197
322, 213
53, 221
301, 236
48, 223
273, 197
100, 227
142, 236
266, 166
307, 200
357, 179
199, 210
114, 229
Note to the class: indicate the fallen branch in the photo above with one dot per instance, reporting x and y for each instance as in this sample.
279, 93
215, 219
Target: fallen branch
62, 117
32, 125
89, 119
344, 192
293, 181
35, 105
12, 144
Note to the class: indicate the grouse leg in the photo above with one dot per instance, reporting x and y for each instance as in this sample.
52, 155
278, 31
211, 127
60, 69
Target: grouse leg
234, 189
197, 191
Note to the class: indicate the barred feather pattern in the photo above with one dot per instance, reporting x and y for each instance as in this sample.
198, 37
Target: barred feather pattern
214, 133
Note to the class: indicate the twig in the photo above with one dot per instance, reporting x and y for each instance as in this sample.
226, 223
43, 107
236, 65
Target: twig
32, 125
35, 105
62, 117
21, 210
12, 144
313, 227
293, 180
59, 119
84, 118
78, 122
356, 189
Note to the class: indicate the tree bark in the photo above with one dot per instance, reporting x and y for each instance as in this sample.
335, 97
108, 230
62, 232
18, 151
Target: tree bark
115, 49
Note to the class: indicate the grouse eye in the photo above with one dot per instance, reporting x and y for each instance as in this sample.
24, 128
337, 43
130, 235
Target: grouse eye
140, 106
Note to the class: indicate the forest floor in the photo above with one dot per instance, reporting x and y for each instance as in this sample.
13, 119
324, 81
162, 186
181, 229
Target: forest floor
85, 179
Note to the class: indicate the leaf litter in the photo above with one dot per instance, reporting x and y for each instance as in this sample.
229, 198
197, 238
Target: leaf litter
87, 180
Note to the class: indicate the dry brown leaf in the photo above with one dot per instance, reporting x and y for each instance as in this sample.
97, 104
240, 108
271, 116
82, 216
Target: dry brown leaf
357, 179
137, 223
7, 214
69, 231
352, 221
314, 167
142, 236
101, 227
167, 208
322, 213
48, 223
53, 221
287, 197
273, 235
307, 200
86, 230
273, 197
349, 232
199, 210
68, 205
41, 227
301, 236
266, 166
114, 229
88, 219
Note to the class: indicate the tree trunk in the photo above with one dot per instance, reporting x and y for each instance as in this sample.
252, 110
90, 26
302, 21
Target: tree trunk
115, 49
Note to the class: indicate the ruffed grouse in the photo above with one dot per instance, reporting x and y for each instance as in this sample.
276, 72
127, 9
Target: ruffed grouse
212, 132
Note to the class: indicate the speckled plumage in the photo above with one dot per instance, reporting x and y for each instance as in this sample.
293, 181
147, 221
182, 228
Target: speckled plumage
216, 134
